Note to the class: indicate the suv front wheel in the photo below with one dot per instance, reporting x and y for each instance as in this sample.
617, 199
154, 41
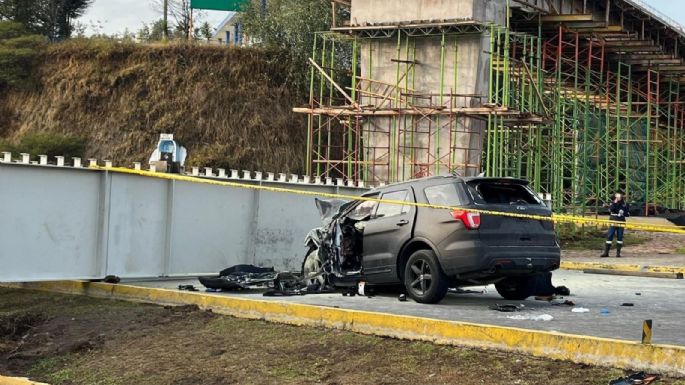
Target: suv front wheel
516, 289
423, 278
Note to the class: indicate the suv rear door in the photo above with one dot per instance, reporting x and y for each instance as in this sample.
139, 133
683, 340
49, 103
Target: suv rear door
389, 228
511, 196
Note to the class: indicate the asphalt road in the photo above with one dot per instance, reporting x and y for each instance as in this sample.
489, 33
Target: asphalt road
659, 300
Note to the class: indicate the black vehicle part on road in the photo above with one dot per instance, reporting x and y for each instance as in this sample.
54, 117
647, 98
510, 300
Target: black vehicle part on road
424, 279
517, 288
240, 277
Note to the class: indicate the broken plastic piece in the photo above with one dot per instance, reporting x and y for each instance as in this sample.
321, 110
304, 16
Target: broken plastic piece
360, 287
112, 279
521, 317
634, 379
580, 310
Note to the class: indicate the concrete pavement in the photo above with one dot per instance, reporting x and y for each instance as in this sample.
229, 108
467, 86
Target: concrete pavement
657, 299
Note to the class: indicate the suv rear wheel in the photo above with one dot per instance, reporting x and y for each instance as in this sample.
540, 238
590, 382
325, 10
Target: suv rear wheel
423, 278
516, 289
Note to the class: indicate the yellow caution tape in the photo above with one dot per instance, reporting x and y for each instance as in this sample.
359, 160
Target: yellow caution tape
556, 218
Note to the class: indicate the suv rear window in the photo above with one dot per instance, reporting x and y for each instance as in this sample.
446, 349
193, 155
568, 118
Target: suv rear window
442, 195
503, 193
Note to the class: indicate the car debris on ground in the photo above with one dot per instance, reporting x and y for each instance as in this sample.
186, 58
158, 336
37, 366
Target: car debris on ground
640, 378
531, 317
247, 277
580, 310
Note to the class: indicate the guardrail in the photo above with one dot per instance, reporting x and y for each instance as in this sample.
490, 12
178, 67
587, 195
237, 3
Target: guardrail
654, 12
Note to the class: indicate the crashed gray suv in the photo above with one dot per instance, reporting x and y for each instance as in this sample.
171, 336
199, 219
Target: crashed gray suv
429, 250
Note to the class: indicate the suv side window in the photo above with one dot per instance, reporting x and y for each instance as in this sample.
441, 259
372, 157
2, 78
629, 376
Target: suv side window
443, 195
391, 209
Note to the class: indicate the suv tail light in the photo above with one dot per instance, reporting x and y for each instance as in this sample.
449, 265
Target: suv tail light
471, 220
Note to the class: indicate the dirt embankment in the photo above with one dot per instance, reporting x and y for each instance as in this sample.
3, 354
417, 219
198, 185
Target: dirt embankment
66, 339
231, 107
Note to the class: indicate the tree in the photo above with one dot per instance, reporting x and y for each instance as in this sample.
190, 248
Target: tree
181, 13
51, 18
206, 31
152, 32
289, 25
18, 53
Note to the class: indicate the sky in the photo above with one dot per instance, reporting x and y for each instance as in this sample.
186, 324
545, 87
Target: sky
114, 16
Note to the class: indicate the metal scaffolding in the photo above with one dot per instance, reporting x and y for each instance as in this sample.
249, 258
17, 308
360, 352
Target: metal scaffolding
382, 131
579, 107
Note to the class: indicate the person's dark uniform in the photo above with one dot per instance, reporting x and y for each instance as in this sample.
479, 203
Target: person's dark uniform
618, 212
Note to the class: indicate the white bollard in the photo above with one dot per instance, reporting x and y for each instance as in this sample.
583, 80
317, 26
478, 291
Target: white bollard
43, 160
60, 161
153, 168
270, 176
294, 178
196, 171
360, 183
92, 162
306, 179
282, 177
247, 175
258, 175
339, 182
108, 164
234, 174
222, 173
329, 181
25, 158
77, 162
6, 157
208, 171
317, 180
136, 166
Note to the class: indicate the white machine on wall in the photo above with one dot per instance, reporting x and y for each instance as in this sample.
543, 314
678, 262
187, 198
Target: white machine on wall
169, 156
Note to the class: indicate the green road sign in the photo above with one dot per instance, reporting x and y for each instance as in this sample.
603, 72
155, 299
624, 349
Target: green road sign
218, 5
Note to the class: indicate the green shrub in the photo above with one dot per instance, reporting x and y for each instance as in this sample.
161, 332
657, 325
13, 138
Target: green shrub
18, 53
50, 144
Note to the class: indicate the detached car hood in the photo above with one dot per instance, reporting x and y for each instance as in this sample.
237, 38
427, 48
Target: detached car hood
329, 208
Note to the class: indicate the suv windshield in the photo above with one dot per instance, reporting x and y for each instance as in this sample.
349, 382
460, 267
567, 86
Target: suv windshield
494, 192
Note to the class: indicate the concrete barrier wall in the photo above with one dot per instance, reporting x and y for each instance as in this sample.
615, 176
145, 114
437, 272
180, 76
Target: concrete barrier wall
77, 223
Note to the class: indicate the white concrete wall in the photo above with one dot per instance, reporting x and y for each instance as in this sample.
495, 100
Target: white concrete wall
385, 11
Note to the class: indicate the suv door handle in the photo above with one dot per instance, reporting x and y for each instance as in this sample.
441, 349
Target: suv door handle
403, 222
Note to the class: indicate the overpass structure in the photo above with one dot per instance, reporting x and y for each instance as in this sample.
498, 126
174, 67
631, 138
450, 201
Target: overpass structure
581, 97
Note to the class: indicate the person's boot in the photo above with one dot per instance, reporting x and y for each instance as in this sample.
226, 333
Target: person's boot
618, 250
607, 247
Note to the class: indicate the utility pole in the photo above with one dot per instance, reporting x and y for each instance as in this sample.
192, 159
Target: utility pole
166, 18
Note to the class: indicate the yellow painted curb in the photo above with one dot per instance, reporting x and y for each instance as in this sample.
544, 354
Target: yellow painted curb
568, 265
18, 381
664, 359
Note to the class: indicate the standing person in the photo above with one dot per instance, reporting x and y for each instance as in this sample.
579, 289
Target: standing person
618, 211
